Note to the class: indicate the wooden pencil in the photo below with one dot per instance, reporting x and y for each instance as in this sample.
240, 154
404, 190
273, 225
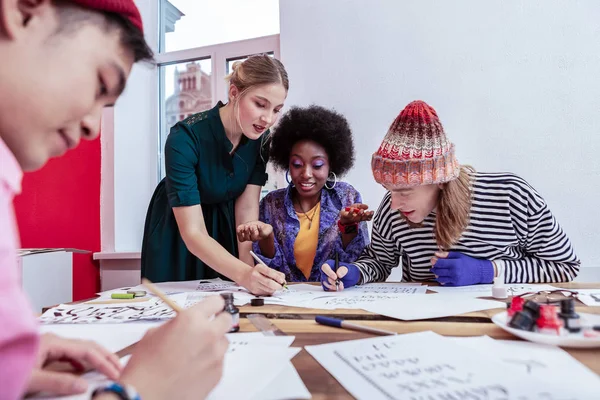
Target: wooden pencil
158, 293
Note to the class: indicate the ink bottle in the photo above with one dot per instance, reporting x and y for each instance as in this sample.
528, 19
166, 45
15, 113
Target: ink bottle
526, 317
233, 310
571, 319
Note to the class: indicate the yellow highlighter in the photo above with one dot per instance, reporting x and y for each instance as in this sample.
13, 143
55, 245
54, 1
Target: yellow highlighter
122, 296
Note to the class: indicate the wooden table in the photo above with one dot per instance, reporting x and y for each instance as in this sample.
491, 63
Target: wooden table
300, 323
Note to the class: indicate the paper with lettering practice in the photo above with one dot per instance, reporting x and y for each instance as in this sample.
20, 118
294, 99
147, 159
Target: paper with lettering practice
193, 298
202, 285
426, 366
312, 296
428, 306
111, 313
513, 289
533, 359
388, 288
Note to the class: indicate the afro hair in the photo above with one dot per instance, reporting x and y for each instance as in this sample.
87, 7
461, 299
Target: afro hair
328, 128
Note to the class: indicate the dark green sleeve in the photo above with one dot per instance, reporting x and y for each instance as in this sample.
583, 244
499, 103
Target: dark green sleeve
181, 160
259, 175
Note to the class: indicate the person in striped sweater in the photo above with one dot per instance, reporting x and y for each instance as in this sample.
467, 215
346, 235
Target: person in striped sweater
445, 222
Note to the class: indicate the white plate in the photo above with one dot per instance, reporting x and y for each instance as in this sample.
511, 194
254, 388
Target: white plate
566, 340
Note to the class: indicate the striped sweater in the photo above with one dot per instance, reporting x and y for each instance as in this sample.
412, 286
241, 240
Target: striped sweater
510, 224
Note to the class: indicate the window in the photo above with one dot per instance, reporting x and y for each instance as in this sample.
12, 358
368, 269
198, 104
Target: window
188, 24
199, 43
186, 89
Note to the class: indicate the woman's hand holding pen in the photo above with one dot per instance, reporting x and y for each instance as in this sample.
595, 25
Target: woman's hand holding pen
262, 280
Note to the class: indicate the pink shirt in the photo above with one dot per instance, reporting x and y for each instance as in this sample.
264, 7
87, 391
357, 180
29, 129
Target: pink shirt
18, 328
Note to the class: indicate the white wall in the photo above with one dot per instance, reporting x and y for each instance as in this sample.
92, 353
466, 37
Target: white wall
515, 84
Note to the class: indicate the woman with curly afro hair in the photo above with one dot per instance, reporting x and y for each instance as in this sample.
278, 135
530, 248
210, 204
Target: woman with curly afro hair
316, 217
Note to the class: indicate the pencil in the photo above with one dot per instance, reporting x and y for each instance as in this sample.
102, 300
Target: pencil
158, 293
284, 284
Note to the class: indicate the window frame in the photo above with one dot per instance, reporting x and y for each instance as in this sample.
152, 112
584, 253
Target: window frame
218, 54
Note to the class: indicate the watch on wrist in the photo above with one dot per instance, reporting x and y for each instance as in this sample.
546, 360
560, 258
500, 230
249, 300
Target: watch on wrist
124, 392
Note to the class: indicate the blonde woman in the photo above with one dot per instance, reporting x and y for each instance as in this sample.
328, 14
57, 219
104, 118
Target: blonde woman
448, 223
215, 168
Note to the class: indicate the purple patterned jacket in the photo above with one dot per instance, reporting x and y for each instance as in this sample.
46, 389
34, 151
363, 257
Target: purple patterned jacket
277, 210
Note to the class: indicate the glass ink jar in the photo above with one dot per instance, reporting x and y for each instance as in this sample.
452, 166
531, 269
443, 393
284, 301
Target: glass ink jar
233, 310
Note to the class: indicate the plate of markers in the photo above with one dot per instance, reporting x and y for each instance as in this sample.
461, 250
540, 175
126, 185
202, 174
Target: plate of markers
553, 324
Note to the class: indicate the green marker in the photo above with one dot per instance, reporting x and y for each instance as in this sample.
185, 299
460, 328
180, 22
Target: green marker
122, 296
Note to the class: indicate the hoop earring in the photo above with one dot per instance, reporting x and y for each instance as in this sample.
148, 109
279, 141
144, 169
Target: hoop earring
329, 179
287, 177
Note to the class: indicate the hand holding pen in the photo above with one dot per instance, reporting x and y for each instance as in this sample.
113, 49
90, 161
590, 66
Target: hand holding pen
346, 275
277, 277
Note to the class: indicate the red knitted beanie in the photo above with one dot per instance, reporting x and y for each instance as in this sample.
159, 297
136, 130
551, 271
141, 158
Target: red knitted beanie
415, 151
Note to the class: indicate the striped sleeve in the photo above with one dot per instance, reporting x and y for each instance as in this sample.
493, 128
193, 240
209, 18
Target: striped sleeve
549, 255
382, 254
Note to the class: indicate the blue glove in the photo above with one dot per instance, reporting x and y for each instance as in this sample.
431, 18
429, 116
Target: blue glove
459, 269
349, 280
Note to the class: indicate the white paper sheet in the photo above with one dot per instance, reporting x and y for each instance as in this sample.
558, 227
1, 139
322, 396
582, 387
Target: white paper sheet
255, 366
513, 289
248, 339
113, 337
428, 366
428, 306
533, 359
286, 385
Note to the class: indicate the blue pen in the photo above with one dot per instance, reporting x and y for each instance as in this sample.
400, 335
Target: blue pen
340, 323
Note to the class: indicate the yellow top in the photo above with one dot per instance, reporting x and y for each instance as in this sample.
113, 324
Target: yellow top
305, 246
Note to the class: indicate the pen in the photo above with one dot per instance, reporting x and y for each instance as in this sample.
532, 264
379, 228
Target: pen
284, 284
337, 265
339, 323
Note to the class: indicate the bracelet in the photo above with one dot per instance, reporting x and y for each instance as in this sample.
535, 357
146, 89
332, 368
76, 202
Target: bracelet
125, 392
346, 229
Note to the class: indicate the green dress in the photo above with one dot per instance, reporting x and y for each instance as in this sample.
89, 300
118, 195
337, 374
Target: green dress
199, 170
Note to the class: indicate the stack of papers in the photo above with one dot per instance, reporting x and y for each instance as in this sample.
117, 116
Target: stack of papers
429, 366
255, 367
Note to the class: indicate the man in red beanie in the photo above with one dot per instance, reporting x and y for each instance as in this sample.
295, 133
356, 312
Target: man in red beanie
62, 63
448, 223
